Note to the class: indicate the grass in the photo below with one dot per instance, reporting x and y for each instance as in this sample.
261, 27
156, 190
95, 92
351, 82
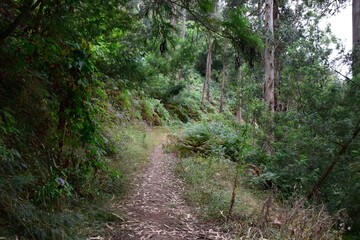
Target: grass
131, 147
209, 187
257, 214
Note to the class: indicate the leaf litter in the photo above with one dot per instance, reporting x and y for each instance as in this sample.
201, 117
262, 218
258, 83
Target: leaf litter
156, 209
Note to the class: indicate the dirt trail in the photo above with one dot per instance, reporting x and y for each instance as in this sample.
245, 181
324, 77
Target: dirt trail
156, 210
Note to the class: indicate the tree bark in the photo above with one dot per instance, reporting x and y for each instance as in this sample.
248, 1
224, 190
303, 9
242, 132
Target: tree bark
223, 75
356, 36
183, 28
233, 195
203, 93
260, 4
206, 86
297, 10
356, 22
173, 17
183, 35
279, 105
239, 109
208, 70
239, 112
269, 56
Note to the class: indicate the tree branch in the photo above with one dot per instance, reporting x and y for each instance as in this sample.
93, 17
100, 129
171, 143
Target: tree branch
340, 153
346, 77
201, 21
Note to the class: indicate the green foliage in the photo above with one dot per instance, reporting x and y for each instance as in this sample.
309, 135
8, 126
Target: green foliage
244, 38
72, 70
207, 6
217, 137
153, 112
185, 105
132, 146
208, 182
53, 189
51, 143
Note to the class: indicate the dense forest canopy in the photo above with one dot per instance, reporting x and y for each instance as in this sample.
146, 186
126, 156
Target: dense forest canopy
253, 79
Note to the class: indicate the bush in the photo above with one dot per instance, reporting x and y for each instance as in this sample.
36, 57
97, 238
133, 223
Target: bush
219, 139
153, 112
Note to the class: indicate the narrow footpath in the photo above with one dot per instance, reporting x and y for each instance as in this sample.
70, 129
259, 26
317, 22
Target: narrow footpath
156, 210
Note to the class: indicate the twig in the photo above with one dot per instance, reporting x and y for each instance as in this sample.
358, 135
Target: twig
118, 216
344, 76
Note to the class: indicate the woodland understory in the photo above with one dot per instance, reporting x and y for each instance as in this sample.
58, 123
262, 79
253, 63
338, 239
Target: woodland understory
247, 94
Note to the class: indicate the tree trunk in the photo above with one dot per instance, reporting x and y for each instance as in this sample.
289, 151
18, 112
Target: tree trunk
223, 74
206, 86
356, 36
269, 56
275, 13
297, 11
259, 11
277, 63
173, 17
233, 195
183, 29
279, 105
356, 22
239, 109
183, 35
239, 112
203, 93
208, 70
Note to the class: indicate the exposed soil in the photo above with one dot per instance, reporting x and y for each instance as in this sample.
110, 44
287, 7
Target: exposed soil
156, 209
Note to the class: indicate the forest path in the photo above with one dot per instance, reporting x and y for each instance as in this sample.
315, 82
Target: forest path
155, 208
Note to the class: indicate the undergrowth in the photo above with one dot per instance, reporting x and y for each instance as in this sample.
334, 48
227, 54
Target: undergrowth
69, 204
209, 186
131, 146
223, 183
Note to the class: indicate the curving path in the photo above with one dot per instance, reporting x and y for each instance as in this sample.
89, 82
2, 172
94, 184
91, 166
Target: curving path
156, 210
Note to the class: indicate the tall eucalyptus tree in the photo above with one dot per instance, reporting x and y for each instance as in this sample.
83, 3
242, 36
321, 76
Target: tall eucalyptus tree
269, 56
356, 36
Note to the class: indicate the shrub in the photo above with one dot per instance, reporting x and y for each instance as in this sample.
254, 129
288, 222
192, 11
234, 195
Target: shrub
153, 112
224, 140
